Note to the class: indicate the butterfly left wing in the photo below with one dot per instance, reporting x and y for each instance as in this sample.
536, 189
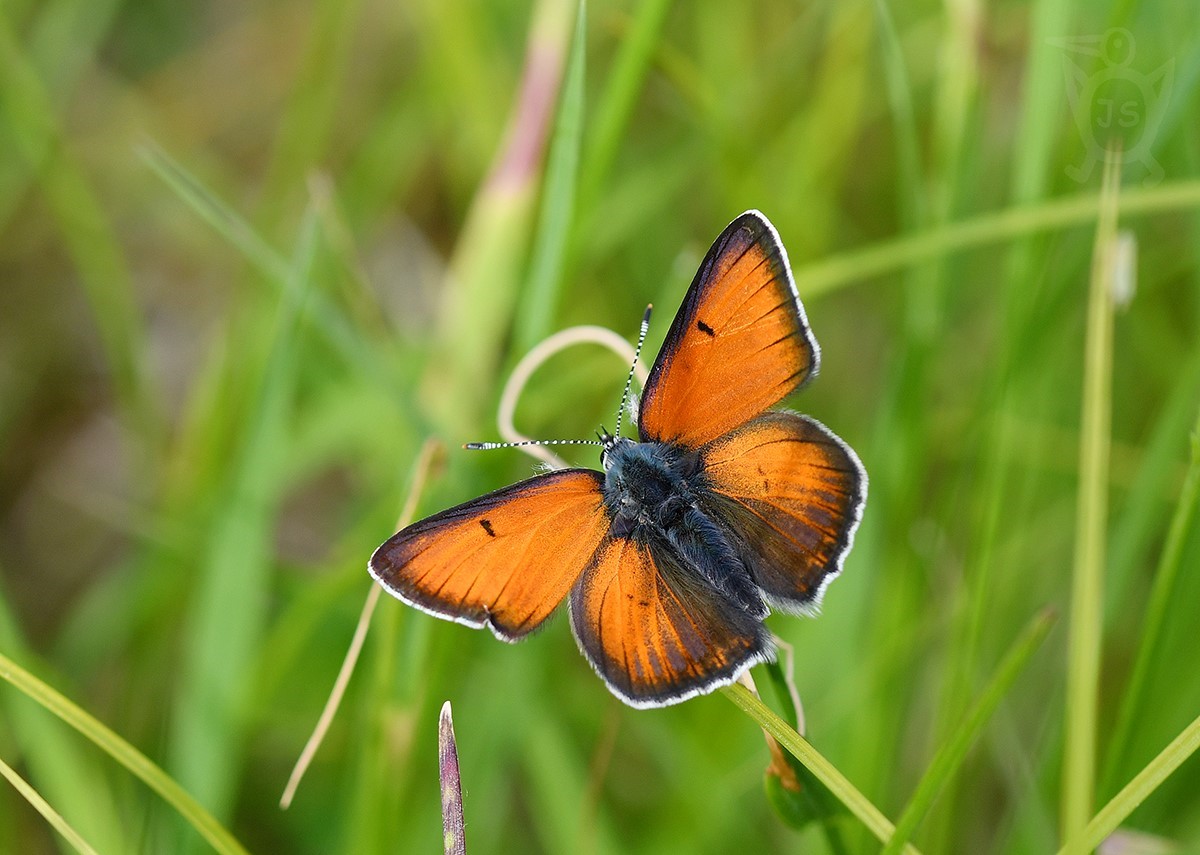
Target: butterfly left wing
656, 633
739, 344
504, 560
790, 494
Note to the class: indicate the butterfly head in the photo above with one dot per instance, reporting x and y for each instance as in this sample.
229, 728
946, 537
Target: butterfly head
608, 445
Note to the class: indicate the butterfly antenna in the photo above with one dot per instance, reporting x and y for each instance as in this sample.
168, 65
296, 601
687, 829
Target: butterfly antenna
488, 446
632, 368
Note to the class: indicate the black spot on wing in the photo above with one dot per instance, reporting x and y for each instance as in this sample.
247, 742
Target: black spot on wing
705, 328
487, 526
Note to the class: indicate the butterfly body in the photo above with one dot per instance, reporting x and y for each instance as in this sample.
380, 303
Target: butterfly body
654, 492
671, 557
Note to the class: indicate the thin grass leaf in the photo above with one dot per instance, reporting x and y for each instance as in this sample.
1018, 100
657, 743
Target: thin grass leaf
797, 795
624, 81
125, 754
54, 759
43, 807
86, 232
326, 316
955, 97
952, 752
1087, 587
888, 256
228, 609
815, 762
310, 114
1040, 104
1136, 791
223, 219
542, 295
1136, 532
1162, 597
62, 44
900, 101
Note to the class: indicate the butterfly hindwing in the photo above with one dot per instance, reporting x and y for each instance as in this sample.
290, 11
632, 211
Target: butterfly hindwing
739, 344
504, 560
655, 632
791, 494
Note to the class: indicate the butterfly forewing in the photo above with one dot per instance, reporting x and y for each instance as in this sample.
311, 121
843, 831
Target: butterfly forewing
654, 632
739, 344
791, 495
504, 560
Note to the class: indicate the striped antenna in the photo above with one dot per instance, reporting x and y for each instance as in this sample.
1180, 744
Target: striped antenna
488, 446
636, 353
605, 438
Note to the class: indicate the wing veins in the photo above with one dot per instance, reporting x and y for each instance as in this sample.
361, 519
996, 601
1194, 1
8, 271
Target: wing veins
621, 614
742, 357
735, 310
687, 615
529, 542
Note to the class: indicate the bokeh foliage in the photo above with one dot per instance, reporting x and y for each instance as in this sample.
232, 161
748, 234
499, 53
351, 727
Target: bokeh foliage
253, 255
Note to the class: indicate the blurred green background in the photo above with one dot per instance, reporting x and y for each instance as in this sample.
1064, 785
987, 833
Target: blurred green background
252, 255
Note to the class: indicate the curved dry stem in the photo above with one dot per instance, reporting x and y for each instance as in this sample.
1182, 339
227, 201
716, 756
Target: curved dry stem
420, 474
789, 673
533, 360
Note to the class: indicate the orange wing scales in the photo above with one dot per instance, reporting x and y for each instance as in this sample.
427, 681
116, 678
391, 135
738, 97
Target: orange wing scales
739, 345
505, 560
791, 493
652, 633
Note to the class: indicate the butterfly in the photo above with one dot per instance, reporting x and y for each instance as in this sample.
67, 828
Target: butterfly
671, 557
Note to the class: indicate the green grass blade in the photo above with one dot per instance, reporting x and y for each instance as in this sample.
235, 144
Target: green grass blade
615, 104
86, 231
124, 753
54, 759
223, 219
62, 44
987, 229
1162, 596
541, 297
1136, 537
900, 101
815, 762
229, 605
952, 752
1041, 99
484, 272
310, 114
1136, 791
43, 807
1087, 586
326, 316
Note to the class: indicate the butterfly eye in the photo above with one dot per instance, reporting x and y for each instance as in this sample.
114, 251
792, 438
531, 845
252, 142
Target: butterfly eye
609, 445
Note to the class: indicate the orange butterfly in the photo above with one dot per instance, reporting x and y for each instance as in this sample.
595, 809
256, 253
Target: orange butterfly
671, 556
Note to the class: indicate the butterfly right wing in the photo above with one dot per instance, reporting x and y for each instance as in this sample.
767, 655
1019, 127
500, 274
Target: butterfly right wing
739, 344
504, 560
657, 633
790, 494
